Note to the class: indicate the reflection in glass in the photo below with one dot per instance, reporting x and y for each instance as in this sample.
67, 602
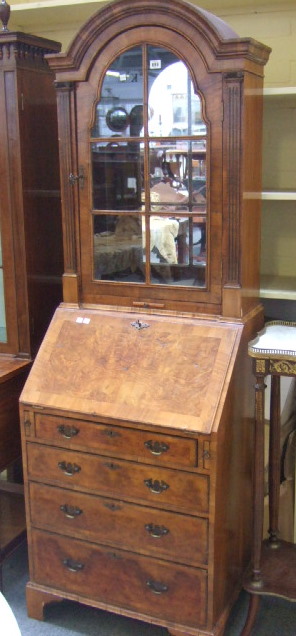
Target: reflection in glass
118, 248
173, 107
156, 180
177, 251
120, 108
117, 119
117, 176
3, 334
178, 173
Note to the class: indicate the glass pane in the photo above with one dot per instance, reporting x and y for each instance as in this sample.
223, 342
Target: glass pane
177, 174
174, 199
3, 334
120, 110
173, 107
117, 172
118, 248
178, 250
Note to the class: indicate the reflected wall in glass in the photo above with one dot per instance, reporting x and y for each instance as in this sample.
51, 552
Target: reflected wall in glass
120, 109
117, 175
3, 334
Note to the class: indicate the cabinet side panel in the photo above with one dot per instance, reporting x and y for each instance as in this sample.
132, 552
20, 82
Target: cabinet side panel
11, 224
251, 191
42, 206
233, 487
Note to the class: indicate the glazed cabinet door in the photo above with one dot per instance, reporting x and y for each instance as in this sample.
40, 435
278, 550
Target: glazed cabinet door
148, 126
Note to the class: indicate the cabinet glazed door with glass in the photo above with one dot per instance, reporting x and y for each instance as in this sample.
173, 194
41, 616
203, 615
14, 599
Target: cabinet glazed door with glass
145, 206
3, 336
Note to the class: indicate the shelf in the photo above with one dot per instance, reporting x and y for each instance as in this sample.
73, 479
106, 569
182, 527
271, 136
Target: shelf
278, 287
279, 195
11, 367
272, 195
279, 91
51, 13
41, 4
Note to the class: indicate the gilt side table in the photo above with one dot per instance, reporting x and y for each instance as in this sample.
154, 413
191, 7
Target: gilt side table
273, 560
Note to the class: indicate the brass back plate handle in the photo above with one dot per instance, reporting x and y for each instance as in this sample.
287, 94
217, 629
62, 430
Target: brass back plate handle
156, 486
156, 448
155, 531
71, 511
69, 469
157, 587
73, 566
67, 431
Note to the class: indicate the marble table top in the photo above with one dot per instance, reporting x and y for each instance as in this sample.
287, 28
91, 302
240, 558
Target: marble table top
276, 340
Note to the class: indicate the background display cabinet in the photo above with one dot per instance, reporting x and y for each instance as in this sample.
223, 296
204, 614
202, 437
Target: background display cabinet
137, 414
278, 267
31, 258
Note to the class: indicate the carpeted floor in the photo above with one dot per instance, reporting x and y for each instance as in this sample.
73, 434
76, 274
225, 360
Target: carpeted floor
276, 617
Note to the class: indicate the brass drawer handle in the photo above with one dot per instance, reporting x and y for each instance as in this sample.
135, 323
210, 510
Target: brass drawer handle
71, 511
157, 587
156, 486
68, 468
67, 431
156, 531
73, 566
156, 448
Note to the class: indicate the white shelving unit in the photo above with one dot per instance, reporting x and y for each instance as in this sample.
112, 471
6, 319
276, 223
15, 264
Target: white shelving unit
278, 244
278, 258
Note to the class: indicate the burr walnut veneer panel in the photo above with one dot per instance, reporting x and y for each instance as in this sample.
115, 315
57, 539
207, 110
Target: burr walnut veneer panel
162, 374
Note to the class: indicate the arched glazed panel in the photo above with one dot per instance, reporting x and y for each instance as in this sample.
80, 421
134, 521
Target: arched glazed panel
148, 150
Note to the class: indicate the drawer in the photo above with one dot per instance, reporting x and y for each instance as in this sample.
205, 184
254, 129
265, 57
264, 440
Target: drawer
143, 529
104, 438
119, 478
122, 579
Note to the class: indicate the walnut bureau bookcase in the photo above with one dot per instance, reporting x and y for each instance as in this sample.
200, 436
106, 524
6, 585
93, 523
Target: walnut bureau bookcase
137, 416
31, 256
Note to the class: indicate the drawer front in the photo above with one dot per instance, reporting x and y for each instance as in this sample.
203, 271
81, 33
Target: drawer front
123, 479
161, 448
176, 537
155, 588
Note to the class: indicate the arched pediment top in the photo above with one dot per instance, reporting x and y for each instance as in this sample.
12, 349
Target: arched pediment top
203, 29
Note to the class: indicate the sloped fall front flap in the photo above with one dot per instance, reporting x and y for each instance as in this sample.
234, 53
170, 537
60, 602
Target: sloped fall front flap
161, 370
